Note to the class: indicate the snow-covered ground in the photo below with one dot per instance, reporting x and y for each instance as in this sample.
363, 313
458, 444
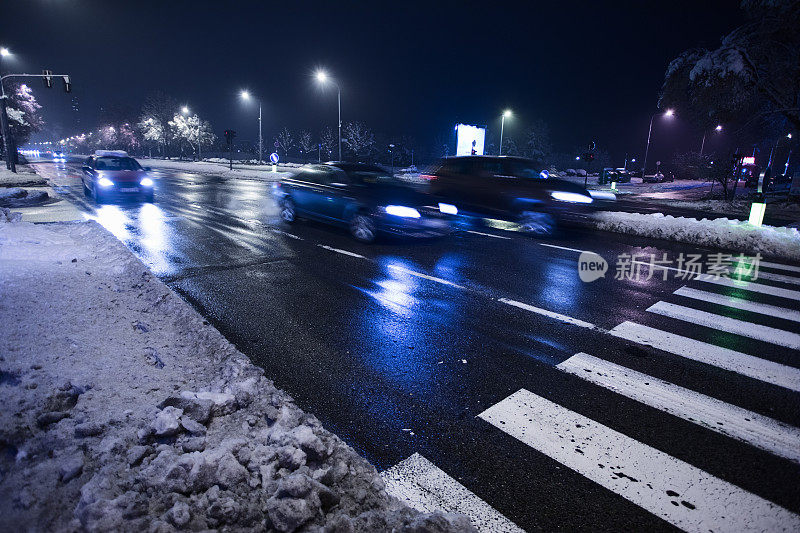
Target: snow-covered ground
124, 410
220, 168
25, 177
783, 243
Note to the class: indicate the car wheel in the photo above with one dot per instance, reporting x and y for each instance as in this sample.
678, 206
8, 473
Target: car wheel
362, 228
541, 224
288, 211
97, 196
149, 197
86, 191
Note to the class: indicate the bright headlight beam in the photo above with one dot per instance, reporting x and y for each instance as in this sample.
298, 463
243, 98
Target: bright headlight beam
448, 209
105, 182
146, 182
402, 211
571, 197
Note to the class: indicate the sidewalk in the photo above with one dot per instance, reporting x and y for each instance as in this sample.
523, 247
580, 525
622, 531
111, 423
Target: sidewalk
55, 209
124, 410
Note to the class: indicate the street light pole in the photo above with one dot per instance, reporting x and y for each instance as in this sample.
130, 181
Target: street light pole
667, 113
260, 149
322, 77
703, 144
506, 113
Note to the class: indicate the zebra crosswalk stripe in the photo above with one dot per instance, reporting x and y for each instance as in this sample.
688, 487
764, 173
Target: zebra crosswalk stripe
667, 487
425, 487
739, 303
730, 325
754, 429
711, 354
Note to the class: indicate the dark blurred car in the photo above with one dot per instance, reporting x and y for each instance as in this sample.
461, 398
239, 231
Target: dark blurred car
112, 174
507, 188
364, 198
618, 175
659, 177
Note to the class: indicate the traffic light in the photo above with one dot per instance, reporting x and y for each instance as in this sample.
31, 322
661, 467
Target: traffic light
229, 135
588, 157
48, 78
67, 85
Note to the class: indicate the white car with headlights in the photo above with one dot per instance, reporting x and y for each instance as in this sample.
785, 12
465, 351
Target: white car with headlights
113, 174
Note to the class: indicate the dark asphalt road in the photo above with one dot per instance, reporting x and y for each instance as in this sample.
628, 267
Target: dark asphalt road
401, 346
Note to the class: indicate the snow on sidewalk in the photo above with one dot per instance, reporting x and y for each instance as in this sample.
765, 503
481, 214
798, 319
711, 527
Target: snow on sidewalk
778, 242
124, 410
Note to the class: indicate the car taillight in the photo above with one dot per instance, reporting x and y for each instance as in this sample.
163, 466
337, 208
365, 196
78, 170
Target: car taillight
429, 177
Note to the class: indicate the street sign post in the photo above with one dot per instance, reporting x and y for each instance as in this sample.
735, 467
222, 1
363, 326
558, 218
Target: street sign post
273, 157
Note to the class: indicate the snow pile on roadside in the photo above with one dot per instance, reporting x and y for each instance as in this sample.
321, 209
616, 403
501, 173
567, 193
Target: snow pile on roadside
123, 410
722, 233
17, 197
25, 177
260, 172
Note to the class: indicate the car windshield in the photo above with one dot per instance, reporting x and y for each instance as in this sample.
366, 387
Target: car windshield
117, 163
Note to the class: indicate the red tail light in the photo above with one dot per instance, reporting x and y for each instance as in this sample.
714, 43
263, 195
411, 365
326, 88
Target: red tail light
429, 177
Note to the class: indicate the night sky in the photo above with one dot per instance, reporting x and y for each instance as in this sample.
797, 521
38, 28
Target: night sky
592, 70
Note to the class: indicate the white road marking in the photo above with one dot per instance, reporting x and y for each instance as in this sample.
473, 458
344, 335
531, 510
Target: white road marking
488, 235
678, 492
755, 429
340, 251
779, 266
750, 286
425, 276
551, 314
782, 278
738, 303
425, 487
564, 248
286, 233
731, 325
710, 354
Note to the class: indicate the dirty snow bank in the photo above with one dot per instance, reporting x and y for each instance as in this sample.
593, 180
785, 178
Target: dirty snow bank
123, 410
722, 233
15, 196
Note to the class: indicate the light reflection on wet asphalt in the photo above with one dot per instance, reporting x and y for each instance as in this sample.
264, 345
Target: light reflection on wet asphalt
398, 364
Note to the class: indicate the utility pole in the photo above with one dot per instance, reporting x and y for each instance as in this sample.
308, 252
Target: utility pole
260, 150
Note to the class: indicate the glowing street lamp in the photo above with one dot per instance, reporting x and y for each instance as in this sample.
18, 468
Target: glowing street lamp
669, 113
245, 95
185, 110
323, 78
506, 113
5, 52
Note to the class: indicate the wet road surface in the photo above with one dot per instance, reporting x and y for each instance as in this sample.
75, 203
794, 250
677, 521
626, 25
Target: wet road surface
437, 359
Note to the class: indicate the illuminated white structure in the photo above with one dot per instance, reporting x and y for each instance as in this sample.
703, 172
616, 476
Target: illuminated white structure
470, 139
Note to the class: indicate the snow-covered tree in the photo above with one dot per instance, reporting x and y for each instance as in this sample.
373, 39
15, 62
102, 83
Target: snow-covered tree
152, 132
23, 113
286, 141
191, 130
537, 141
510, 146
755, 72
157, 112
358, 138
330, 142
305, 143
